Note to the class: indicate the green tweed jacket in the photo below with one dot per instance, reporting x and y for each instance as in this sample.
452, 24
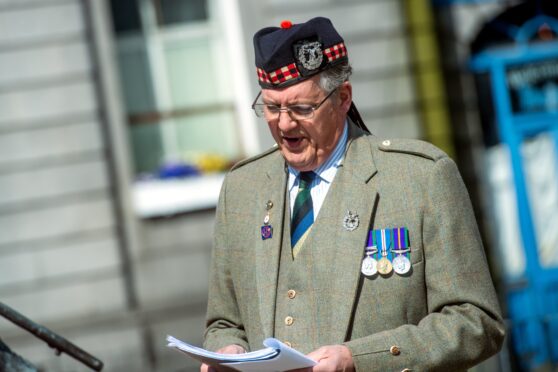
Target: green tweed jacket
442, 316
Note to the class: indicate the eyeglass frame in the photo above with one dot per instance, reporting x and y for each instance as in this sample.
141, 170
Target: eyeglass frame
287, 109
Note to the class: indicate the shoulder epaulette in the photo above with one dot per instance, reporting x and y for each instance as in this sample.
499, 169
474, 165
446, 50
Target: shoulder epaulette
412, 147
255, 157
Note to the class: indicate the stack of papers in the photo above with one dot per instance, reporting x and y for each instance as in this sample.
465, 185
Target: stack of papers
276, 357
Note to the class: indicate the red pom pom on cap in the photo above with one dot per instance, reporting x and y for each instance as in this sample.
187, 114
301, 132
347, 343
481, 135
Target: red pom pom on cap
286, 24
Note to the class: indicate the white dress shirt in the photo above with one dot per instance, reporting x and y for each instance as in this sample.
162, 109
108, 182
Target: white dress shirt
325, 175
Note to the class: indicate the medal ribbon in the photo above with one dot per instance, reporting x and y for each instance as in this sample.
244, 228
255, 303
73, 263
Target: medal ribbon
371, 239
386, 242
397, 240
381, 242
406, 242
370, 243
401, 240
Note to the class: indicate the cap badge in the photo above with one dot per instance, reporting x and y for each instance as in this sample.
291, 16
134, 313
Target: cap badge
310, 55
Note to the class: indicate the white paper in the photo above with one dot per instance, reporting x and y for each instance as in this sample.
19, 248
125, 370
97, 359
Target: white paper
286, 359
276, 357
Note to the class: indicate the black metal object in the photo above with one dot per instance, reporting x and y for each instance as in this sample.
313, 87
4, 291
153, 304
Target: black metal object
58, 343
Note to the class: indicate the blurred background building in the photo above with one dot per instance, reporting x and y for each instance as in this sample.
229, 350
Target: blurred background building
118, 119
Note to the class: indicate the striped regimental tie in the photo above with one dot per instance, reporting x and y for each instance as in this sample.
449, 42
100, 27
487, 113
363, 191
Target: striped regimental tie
303, 212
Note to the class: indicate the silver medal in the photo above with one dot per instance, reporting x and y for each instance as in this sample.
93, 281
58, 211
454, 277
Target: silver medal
369, 266
401, 264
350, 221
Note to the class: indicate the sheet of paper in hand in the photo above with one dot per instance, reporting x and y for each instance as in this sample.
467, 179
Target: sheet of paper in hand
275, 357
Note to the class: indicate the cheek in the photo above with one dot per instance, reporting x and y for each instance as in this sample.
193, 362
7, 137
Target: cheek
273, 129
321, 131
311, 132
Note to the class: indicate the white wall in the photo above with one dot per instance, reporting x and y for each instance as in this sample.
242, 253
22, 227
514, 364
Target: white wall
60, 247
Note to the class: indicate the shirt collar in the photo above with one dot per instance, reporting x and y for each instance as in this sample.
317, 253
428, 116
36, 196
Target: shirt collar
328, 169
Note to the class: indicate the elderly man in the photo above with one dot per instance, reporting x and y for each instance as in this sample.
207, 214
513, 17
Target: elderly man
363, 253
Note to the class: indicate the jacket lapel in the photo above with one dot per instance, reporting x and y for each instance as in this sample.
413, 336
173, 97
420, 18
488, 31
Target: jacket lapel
268, 251
337, 251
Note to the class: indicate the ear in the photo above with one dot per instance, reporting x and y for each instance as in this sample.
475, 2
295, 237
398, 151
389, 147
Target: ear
345, 96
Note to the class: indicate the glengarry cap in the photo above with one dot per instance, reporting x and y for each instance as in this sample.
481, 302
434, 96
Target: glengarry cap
292, 53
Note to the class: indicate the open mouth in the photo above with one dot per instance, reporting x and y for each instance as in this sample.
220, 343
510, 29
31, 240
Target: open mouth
292, 141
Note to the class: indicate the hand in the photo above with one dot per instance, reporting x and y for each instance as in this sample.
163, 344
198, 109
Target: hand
331, 358
229, 349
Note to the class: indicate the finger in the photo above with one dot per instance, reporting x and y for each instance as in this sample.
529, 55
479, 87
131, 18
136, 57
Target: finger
325, 365
232, 349
317, 354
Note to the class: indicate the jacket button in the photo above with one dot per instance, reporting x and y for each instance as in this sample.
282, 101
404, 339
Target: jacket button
394, 350
386, 143
289, 320
291, 293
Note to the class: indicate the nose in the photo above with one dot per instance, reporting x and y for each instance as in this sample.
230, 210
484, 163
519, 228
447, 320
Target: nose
286, 123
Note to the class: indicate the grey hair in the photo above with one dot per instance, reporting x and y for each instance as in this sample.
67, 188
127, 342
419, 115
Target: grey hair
333, 77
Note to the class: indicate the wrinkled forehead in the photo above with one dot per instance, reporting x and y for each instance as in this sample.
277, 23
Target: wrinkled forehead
306, 91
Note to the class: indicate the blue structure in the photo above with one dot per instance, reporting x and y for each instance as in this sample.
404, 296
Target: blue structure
453, 2
524, 109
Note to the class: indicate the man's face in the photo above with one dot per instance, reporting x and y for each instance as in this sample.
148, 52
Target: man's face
306, 144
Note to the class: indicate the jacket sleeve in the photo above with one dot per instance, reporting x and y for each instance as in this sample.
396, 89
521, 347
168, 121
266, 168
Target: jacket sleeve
463, 325
223, 322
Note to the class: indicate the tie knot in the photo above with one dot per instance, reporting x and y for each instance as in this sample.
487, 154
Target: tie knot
306, 179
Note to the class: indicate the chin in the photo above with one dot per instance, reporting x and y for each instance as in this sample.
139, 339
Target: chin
299, 161
301, 166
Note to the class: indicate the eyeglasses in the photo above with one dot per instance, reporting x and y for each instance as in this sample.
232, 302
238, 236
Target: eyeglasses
296, 112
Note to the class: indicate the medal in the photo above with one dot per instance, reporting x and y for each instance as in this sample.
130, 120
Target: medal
401, 262
369, 263
384, 264
369, 266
